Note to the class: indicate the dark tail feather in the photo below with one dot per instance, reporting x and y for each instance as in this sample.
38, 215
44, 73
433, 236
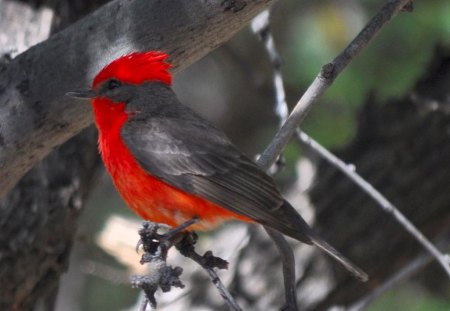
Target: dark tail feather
330, 250
300, 230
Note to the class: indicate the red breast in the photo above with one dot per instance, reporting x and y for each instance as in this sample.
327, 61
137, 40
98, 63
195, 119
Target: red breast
149, 197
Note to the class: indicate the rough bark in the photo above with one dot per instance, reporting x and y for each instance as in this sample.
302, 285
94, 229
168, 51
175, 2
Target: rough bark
36, 115
402, 148
38, 218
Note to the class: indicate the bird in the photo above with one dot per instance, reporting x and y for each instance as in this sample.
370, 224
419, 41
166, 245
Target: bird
171, 165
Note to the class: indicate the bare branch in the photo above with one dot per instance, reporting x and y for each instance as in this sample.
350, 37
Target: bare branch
350, 172
261, 27
208, 262
325, 78
288, 262
34, 113
333, 69
223, 291
405, 273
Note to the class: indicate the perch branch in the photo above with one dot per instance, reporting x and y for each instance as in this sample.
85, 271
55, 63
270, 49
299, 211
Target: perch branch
208, 262
388, 207
261, 27
347, 55
325, 78
288, 262
405, 273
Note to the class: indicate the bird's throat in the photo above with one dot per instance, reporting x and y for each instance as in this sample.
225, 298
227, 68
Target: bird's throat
109, 116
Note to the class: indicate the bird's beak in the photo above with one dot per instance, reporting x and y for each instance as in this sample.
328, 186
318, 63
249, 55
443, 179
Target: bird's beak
82, 94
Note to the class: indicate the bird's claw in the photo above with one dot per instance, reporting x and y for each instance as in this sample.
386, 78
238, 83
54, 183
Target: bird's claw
151, 240
138, 244
175, 231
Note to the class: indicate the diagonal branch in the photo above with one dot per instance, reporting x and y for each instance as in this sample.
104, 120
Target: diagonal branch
325, 78
261, 27
386, 205
403, 274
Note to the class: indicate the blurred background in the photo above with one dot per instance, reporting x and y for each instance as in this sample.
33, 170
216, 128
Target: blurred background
232, 87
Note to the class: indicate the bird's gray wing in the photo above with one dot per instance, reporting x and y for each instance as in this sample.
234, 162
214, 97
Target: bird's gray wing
194, 156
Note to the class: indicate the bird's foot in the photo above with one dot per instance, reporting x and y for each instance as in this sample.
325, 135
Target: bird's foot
173, 233
150, 238
156, 246
151, 241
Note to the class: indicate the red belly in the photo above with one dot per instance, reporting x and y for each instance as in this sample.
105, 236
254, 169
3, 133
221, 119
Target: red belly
155, 200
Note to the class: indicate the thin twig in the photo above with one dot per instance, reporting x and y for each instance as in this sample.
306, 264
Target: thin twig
350, 172
288, 262
144, 304
229, 299
327, 75
261, 27
325, 78
334, 68
208, 262
405, 273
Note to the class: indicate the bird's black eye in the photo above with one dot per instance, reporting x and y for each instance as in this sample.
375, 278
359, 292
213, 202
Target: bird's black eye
112, 84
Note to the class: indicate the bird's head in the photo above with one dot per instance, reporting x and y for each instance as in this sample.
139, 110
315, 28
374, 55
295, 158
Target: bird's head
116, 83
129, 70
